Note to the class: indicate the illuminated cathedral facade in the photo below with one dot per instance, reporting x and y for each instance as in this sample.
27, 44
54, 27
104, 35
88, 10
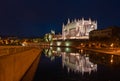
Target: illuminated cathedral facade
78, 29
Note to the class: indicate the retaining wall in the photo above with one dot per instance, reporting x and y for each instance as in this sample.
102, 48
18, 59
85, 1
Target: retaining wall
14, 66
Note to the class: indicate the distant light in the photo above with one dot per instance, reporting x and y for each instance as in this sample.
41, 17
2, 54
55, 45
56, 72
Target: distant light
50, 37
67, 49
50, 53
81, 50
23, 44
111, 58
92, 26
51, 48
92, 65
58, 49
51, 43
81, 44
112, 45
58, 43
67, 43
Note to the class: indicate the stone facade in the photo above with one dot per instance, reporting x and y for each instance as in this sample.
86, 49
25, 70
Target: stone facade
78, 29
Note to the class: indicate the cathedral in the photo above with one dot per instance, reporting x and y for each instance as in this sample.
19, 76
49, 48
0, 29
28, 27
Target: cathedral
78, 29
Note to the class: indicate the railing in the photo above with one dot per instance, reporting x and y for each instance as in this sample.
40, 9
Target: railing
8, 50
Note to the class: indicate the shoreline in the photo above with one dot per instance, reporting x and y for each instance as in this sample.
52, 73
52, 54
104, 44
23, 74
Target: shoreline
104, 50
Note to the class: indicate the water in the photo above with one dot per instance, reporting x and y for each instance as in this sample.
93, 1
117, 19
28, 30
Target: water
68, 64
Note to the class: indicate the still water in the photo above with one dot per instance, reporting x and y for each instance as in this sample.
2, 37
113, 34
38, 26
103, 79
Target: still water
68, 64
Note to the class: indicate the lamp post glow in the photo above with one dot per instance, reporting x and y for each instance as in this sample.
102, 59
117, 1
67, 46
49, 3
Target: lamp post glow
58, 43
67, 44
112, 45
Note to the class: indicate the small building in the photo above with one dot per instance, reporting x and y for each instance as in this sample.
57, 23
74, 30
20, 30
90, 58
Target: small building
110, 33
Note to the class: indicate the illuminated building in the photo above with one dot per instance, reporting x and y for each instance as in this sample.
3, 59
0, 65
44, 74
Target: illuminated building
78, 29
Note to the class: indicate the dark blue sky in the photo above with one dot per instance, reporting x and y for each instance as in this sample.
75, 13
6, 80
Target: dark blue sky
37, 17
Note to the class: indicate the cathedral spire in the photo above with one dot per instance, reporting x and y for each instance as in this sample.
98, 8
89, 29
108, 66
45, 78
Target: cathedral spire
82, 19
75, 20
68, 21
63, 25
90, 19
96, 24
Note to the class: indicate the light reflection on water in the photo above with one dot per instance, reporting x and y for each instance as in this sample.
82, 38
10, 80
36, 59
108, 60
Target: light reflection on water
78, 63
73, 61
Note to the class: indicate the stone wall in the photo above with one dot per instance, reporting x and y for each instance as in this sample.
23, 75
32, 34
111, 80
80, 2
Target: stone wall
14, 66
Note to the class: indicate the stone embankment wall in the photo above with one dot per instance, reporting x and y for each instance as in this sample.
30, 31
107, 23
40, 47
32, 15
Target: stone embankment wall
15, 61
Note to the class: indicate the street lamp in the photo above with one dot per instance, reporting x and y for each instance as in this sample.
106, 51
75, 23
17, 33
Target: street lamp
112, 45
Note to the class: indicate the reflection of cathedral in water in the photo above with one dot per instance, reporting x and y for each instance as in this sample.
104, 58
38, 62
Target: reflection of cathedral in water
77, 63
73, 61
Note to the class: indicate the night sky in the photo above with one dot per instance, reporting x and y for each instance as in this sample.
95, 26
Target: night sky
32, 18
